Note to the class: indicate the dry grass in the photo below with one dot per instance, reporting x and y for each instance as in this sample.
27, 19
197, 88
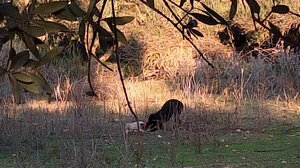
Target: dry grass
155, 49
235, 95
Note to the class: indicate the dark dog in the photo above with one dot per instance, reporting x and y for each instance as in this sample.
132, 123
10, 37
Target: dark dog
171, 108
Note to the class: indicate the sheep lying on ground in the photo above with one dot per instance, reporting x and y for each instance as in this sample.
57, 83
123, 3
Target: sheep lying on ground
133, 127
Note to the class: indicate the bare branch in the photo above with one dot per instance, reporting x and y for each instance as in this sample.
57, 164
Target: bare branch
123, 85
175, 25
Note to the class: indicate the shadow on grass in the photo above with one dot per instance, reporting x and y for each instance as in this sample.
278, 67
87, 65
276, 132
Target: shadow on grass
84, 134
81, 135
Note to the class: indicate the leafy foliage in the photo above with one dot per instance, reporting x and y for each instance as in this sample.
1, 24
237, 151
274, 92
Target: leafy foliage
233, 9
51, 7
22, 68
41, 19
281, 9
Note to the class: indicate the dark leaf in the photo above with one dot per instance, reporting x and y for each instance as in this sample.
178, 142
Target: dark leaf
281, 9
103, 32
40, 80
1, 18
32, 87
77, 11
83, 50
22, 77
105, 38
34, 31
205, 19
189, 33
93, 35
120, 20
11, 25
15, 89
103, 44
233, 9
121, 37
30, 44
12, 54
31, 63
9, 10
82, 30
65, 14
192, 23
20, 60
96, 12
50, 55
215, 14
182, 3
4, 36
196, 32
50, 27
275, 29
70, 12
150, 3
12, 35
92, 5
84, 53
2, 71
192, 2
31, 6
49, 8
192, 33
254, 6
37, 41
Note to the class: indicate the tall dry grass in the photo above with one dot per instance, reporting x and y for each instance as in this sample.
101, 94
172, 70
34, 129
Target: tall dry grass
75, 130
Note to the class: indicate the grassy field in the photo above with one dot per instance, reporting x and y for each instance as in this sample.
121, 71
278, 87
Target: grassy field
242, 113
80, 135
275, 147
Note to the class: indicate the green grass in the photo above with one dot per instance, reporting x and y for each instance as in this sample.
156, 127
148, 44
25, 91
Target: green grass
238, 149
259, 150
6, 159
266, 152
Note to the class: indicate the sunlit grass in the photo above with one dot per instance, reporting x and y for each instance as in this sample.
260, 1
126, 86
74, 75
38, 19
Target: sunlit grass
239, 114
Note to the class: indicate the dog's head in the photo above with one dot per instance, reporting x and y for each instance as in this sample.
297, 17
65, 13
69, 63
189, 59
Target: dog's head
154, 121
142, 125
151, 120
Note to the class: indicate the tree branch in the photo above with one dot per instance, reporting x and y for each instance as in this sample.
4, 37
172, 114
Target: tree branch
175, 25
123, 85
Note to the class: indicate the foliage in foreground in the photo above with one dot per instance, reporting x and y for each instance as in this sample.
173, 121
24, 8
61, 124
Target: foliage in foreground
37, 20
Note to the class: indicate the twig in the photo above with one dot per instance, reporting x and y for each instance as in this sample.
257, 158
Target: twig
90, 54
101, 11
123, 84
175, 25
100, 62
173, 13
89, 64
296, 14
268, 15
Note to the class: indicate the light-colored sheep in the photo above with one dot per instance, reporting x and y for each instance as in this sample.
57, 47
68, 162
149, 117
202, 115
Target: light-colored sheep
133, 127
